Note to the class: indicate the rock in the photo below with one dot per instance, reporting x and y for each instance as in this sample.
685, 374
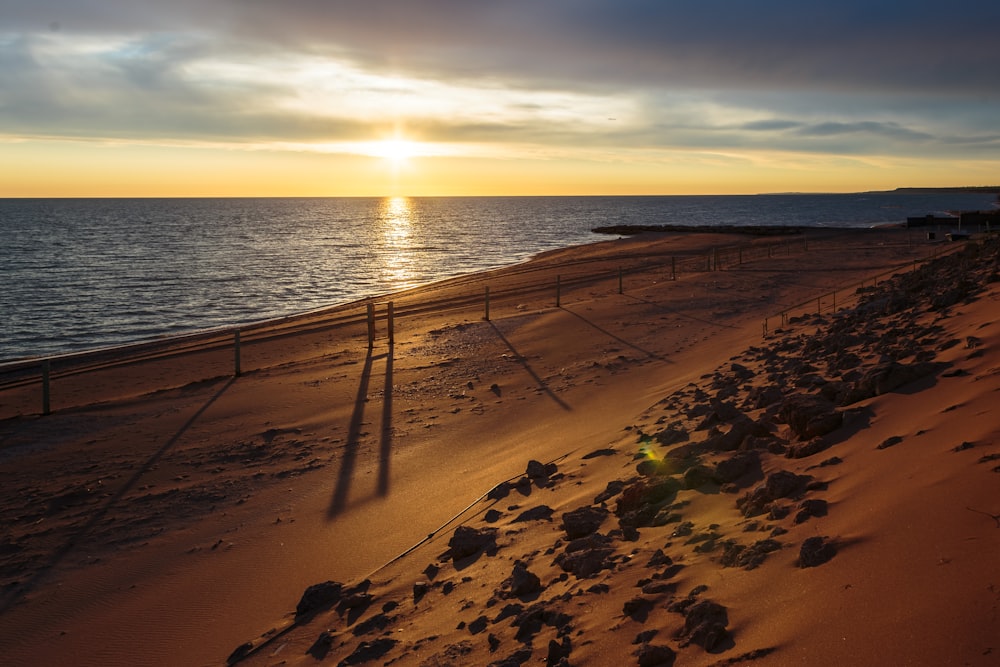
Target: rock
522, 581
671, 435
530, 621
585, 563
515, 659
538, 471
637, 607
809, 416
613, 488
321, 646
643, 492
890, 442
698, 476
420, 589
558, 651
655, 655
816, 551
814, 446
748, 557
810, 508
492, 516
367, 651
583, 521
762, 397
741, 428
659, 559
705, 625
741, 463
539, 513
318, 596
478, 625
784, 484
241, 651
888, 376
468, 541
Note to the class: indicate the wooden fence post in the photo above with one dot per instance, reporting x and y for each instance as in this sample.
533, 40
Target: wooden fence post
486, 316
621, 289
237, 371
391, 323
46, 372
371, 324
673, 268
558, 291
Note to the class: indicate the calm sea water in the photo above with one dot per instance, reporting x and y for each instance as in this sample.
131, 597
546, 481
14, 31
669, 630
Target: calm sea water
85, 273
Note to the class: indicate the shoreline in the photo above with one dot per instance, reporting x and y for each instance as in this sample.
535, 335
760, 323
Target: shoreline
192, 513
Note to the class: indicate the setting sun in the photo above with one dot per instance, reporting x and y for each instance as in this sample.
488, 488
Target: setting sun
395, 150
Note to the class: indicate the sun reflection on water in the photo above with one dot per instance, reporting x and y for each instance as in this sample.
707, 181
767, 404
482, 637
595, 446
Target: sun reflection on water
398, 264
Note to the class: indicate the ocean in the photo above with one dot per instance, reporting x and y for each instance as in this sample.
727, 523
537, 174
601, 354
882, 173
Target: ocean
79, 274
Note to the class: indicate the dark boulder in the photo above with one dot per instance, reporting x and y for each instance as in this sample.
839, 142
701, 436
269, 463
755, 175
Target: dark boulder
319, 596
705, 625
816, 551
736, 466
809, 416
583, 521
468, 541
655, 655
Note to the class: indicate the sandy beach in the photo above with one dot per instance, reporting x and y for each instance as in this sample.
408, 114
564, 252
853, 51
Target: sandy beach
637, 475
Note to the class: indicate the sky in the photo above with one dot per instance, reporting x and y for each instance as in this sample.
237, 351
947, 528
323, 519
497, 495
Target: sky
514, 97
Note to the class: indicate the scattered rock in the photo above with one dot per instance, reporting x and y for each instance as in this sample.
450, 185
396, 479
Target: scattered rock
467, 541
736, 466
655, 655
321, 646
814, 446
890, 442
705, 625
809, 416
522, 582
816, 551
748, 557
319, 596
784, 484
810, 508
637, 608
367, 651
583, 521
539, 513
241, 651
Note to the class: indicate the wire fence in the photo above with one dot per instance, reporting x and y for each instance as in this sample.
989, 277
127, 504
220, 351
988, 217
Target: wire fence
27, 387
845, 296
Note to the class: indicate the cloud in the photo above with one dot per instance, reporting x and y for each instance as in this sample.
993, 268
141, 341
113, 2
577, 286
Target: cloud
851, 77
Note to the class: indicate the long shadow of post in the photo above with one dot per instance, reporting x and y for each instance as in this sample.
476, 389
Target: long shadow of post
338, 503
12, 596
527, 367
385, 448
339, 500
612, 336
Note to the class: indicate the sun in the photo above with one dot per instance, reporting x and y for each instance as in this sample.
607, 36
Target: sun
395, 150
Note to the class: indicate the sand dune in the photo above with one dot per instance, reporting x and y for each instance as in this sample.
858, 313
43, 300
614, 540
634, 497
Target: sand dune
680, 463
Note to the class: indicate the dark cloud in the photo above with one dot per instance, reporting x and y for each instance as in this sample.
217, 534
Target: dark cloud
811, 76
783, 43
